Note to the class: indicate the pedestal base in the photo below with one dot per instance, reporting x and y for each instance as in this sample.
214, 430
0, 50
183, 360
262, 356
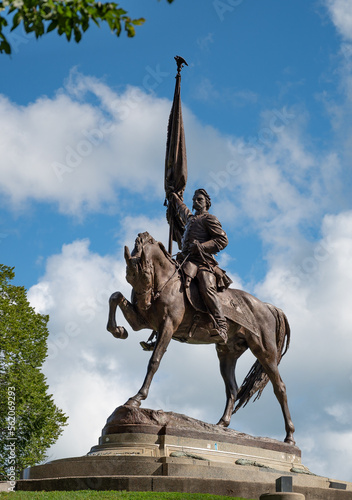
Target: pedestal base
145, 450
282, 496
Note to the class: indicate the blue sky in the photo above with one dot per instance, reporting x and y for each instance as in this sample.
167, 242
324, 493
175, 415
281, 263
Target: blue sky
267, 105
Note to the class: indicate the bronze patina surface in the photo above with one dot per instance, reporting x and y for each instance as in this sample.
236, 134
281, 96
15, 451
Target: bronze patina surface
159, 302
188, 299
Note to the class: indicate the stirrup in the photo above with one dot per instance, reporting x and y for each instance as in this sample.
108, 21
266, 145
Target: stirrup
223, 335
220, 332
147, 346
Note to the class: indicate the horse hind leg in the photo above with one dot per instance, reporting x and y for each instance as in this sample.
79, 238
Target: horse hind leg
227, 361
279, 387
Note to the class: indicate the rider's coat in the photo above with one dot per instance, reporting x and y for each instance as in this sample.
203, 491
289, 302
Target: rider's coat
207, 231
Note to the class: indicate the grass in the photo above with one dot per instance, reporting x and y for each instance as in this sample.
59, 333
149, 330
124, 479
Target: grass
108, 495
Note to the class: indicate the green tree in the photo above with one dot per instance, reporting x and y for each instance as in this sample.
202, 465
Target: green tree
67, 17
30, 422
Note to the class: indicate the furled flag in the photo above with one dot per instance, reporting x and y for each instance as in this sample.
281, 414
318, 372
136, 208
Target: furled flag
175, 160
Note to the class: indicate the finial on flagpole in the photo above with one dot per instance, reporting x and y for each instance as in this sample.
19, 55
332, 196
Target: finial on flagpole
180, 62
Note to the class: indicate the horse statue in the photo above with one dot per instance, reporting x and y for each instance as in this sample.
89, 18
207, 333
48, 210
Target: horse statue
160, 302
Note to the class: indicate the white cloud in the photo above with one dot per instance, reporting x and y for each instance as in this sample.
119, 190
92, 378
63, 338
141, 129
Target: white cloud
131, 226
204, 42
340, 110
84, 156
341, 13
277, 185
88, 398
37, 136
276, 182
83, 147
85, 366
331, 454
102, 372
206, 91
89, 371
315, 294
79, 154
341, 412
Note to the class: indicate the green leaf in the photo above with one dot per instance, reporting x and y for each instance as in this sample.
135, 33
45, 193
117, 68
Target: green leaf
52, 26
5, 47
17, 18
64, 16
138, 22
78, 35
23, 338
3, 23
130, 29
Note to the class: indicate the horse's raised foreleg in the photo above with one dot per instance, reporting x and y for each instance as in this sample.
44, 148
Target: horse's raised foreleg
129, 312
162, 343
227, 362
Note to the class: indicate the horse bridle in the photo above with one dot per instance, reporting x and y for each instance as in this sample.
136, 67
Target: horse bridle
155, 294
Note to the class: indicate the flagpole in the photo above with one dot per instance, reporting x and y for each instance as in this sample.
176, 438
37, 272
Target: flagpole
175, 161
171, 235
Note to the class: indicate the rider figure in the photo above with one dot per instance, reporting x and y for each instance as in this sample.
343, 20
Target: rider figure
202, 238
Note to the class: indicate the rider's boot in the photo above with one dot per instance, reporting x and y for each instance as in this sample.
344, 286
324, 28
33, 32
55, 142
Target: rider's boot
221, 329
208, 290
147, 346
150, 343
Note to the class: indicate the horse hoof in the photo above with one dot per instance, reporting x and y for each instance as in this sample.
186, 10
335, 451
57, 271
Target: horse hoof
119, 332
116, 298
222, 423
133, 402
290, 441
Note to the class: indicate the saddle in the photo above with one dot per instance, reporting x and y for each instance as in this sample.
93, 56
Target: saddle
234, 304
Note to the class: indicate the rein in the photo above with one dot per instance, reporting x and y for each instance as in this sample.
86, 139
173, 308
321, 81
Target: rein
155, 294
178, 266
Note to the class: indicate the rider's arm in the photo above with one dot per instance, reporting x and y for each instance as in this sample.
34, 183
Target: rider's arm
218, 239
182, 210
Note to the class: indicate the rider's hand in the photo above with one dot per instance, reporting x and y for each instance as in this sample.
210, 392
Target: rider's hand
171, 196
194, 247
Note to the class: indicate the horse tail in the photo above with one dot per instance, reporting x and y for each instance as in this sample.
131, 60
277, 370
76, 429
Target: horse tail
257, 379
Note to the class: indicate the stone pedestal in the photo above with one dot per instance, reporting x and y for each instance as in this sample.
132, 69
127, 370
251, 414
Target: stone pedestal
282, 496
147, 450
149, 433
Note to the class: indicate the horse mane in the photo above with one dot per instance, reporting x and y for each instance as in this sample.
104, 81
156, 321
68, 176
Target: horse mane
144, 239
166, 253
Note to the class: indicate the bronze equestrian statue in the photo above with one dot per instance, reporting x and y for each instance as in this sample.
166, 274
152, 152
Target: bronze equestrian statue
161, 302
